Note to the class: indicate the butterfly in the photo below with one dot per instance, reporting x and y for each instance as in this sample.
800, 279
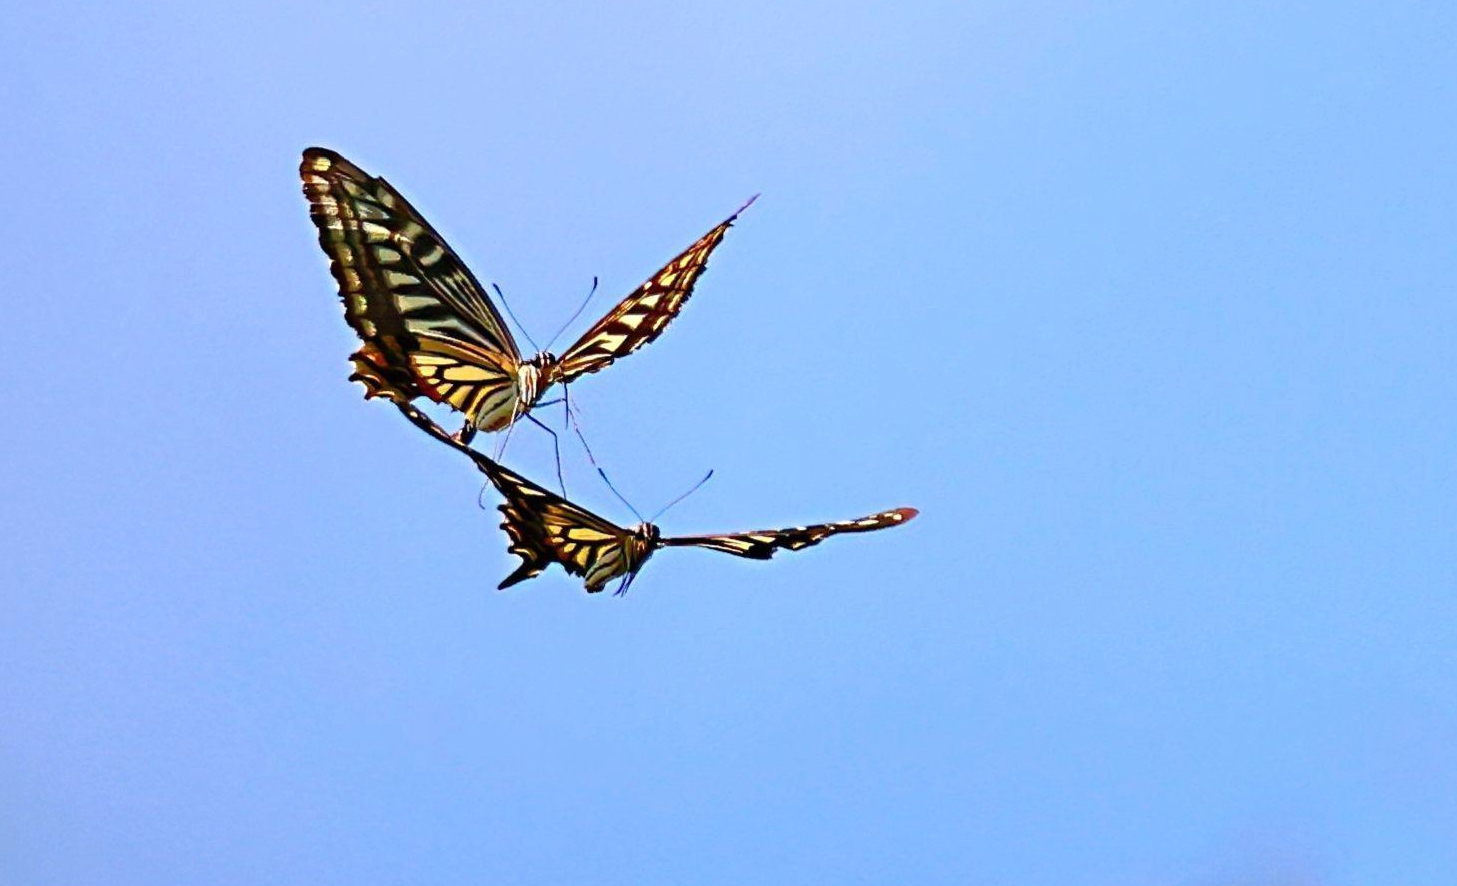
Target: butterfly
544, 528
428, 327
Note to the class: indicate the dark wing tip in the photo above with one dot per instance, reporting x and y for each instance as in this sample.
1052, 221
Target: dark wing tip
316, 153
523, 572
901, 515
318, 160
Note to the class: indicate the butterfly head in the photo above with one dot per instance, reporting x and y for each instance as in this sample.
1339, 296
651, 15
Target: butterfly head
646, 538
546, 365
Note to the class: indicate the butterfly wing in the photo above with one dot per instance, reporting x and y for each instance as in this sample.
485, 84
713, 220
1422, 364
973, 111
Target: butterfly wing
643, 315
478, 382
763, 545
427, 325
545, 528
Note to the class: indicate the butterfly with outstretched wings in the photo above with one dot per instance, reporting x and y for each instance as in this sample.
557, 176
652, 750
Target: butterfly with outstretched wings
428, 326
544, 528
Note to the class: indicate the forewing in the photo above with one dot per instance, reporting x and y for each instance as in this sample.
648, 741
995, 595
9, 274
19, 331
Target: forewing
545, 528
763, 545
643, 315
398, 278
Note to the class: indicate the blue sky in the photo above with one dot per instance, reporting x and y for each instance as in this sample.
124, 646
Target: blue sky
1148, 307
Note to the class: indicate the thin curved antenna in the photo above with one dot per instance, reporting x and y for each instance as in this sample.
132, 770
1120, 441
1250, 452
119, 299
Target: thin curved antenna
603, 474
582, 438
694, 488
572, 319
572, 417
512, 314
577, 429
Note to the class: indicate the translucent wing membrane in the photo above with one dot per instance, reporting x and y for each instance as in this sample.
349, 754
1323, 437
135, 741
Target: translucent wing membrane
427, 324
643, 315
763, 545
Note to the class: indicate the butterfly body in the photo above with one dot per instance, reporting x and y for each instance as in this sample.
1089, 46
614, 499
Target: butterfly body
534, 377
626, 559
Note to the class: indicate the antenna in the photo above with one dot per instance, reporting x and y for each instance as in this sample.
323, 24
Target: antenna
512, 314
691, 490
572, 419
603, 475
572, 319
577, 428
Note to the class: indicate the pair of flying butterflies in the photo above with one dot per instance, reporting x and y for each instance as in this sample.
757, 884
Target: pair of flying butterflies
429, 329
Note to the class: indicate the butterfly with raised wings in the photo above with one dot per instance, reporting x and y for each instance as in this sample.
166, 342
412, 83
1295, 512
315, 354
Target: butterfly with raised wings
428, 326
544, 528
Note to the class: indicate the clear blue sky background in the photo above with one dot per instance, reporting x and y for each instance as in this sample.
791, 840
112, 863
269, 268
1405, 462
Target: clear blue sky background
1147, 306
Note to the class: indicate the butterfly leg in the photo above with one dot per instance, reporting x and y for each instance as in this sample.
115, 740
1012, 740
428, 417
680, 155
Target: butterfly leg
504, 439
466, 434
556, 447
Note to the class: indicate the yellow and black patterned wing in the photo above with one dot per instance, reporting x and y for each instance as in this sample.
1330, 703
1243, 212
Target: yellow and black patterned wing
642, 316
478, 382
427, 324
545, 528
763, 545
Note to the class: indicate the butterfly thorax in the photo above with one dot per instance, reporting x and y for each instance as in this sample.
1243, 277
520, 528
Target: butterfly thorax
645, 539
533, 377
